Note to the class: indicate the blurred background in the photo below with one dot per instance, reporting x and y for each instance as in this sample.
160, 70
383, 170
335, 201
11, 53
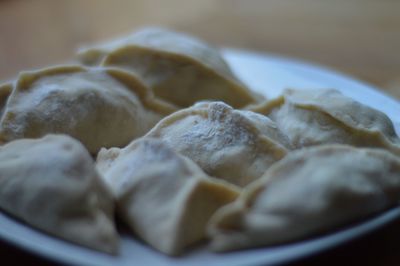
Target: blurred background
358, 37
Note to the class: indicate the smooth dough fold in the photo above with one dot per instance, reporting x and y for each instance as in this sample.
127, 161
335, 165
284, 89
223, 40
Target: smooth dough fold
101, 107
163, 197
325, 116
234, 145
52, 184
178, 68
309, 192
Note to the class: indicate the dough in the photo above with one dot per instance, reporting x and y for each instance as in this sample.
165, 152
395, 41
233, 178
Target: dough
310, 191
163, 197
178, 68
51, 184
101, 107
315, 117
234, 145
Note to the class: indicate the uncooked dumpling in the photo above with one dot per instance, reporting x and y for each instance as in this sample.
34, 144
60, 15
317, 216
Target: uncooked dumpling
234, 145
51, 184
100, 107
315, 117
178, 68
165, 198
309, 192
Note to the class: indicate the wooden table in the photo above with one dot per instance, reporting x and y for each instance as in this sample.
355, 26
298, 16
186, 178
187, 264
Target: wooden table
358, 37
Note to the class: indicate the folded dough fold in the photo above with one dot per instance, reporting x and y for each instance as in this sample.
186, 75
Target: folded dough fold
101, 107
178, 68
234, 145
310, 191
325, 116
51, 184
163, 197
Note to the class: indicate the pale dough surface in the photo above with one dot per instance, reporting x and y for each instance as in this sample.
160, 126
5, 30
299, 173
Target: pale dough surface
179, 68
51, 184
234, 145
325, 116
163, 197
310, 191
98, 106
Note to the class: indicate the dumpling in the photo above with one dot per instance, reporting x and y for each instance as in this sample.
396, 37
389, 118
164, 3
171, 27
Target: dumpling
234, 145
51, 184
101, 107
310, 191
178, 68
315, 117
164, 198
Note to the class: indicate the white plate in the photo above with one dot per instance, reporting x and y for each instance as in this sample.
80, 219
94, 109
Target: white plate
268, 75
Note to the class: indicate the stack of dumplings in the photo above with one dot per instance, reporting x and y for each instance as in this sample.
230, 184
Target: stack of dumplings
155, 131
